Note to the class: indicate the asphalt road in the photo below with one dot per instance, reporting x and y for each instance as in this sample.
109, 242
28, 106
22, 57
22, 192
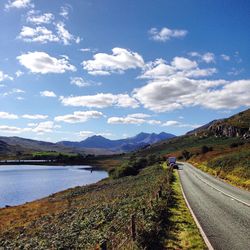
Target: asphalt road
225, 220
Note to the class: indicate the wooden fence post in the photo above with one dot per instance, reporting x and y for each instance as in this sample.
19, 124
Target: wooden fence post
133, 227
144, 211
103, 245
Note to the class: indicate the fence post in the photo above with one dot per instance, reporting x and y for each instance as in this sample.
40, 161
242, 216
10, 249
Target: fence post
103, 245
144, 211
133, 227
160, 193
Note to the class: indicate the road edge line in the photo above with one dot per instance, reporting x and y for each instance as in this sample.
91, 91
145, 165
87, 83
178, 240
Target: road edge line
217, 189
205, 238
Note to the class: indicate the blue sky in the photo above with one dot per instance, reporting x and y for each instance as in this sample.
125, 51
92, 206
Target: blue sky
72, 69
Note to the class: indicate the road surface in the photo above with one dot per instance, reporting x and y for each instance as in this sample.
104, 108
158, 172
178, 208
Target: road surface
222, 210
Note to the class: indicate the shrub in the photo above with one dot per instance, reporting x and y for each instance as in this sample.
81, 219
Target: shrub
205, 149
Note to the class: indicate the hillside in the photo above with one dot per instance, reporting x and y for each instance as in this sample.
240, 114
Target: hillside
118, 146
221, 148
10, 146
235, 126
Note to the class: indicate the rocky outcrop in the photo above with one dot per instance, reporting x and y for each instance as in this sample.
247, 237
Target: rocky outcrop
224, 129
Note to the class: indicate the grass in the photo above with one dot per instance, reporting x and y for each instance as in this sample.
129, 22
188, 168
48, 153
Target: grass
82, 217
183, 232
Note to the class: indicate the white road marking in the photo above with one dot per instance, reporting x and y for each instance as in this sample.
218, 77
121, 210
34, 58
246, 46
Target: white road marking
224, 193
205, 238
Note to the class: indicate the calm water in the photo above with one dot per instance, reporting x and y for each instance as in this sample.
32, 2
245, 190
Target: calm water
22, 183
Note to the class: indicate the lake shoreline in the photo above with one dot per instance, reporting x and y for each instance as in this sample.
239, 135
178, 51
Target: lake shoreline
20, 184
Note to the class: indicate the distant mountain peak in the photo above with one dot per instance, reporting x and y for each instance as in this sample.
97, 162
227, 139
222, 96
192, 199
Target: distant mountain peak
122, 145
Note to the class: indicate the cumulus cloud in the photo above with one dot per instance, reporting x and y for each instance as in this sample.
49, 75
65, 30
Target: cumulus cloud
38, 34
137, 118
179, 92
125, 120
79, 116
35, 117
41, 62
4, 76
79, 81
10, 129
182, 63
100, 100
119, 61
47, 93
44, 127
207, 57
14, 92
225, 57
166, 34
6, 115
64, 35
170, 123
35, 17
19, 4
139, 115
179, 124
179, 67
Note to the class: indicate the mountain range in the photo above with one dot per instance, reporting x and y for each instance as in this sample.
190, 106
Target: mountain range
121, 145
9, 146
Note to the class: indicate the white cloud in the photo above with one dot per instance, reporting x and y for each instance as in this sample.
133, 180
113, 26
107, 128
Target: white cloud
85, 49
6, 115
119, 61
5, 76
10, 129
179, 92
154, 122
19, 73
170, 123
207, 57
41, 62
64, 11
47, 93
36, 18
137, 118
166, 34
179, 67
100, 100
86, 133
79, 116
14, 92
35, 117
79, 81
19, 4
44, 127
38, 34
225, 57
125, 101
180, 125
125, 120
64, 35
32, 124
139, 115
182, 63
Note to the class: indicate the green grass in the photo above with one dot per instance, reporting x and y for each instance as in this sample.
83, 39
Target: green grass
82, 217
183, 232
46, 154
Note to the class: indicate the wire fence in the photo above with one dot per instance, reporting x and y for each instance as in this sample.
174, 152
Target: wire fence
123, 234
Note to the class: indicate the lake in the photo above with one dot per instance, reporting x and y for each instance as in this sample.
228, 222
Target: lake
23, 183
